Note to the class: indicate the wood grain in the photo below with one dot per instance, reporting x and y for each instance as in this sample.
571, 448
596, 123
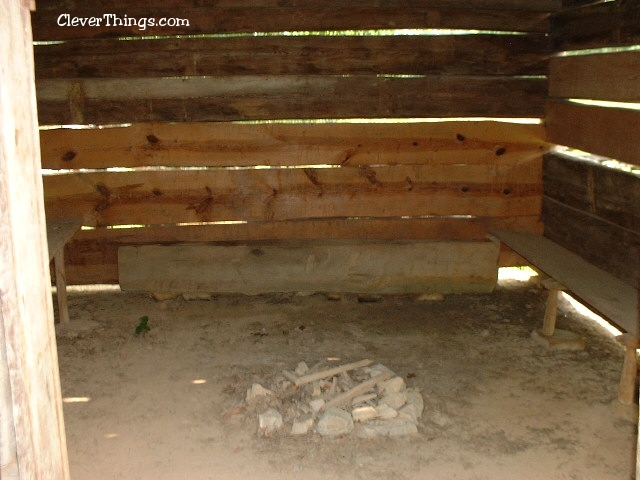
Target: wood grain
358, 267
609, 296
289, 55
608, 24
272, 16
36, 444
109, 101
605, 244
582, 77
612, 195
227, 144
91, 257
611, 132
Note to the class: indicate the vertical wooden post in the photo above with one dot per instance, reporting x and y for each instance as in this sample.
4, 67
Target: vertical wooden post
61, 286
26, 310
551, 311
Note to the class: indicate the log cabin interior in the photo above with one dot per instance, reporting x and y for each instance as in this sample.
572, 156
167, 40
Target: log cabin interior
270, 137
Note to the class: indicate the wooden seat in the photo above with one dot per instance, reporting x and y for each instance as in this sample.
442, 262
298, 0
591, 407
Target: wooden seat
607, 295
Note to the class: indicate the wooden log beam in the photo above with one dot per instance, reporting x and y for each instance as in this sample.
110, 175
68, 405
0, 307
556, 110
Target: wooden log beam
27, 333
272, 16
611, 132
260, 97
277, 144
357, 267
481, 54
580, 76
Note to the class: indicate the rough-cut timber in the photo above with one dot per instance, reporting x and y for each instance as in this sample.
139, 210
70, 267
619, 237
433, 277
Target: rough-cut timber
33, 435
609, 246
612, 132
307, 55
244, 145
443, 267
92, 257
109, 101
605, 24
611, 194
581, 76
277, 16
222, 195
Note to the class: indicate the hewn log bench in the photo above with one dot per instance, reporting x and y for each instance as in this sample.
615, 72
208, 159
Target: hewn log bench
608, 296
59, 232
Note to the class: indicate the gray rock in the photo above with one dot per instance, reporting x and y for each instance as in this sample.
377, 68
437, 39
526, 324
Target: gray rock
393, 385
410, 413
270, 421
316, 404
385, 412
334, 421
394, 400
302, 425
362, 414
257, 391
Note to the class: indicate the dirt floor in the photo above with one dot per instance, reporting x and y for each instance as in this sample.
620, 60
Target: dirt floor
164, 405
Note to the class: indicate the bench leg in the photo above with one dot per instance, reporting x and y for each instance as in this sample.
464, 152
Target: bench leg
627, 387
551, 313
61, 286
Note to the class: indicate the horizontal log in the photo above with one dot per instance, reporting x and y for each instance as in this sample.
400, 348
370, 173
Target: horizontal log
402, 267
582, 77
607, 24
611, 132
287, 55
606, 245
521, 5
91, 257
150, 183
109, 101
612, 195
226, 144
296, 16
178, 196
354, 202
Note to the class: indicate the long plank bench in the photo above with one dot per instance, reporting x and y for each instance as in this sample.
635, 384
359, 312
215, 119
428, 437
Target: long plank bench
608, 296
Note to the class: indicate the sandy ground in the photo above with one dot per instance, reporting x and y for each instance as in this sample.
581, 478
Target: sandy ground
497, 405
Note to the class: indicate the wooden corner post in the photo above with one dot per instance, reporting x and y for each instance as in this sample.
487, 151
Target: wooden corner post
33, 438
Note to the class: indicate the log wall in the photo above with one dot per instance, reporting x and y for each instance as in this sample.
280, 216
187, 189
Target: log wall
369, 140
592, 205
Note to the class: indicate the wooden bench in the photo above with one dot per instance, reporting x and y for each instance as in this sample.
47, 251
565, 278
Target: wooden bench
608, 296
59, 232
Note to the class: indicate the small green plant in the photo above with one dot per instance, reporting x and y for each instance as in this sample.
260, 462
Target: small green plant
143, 326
